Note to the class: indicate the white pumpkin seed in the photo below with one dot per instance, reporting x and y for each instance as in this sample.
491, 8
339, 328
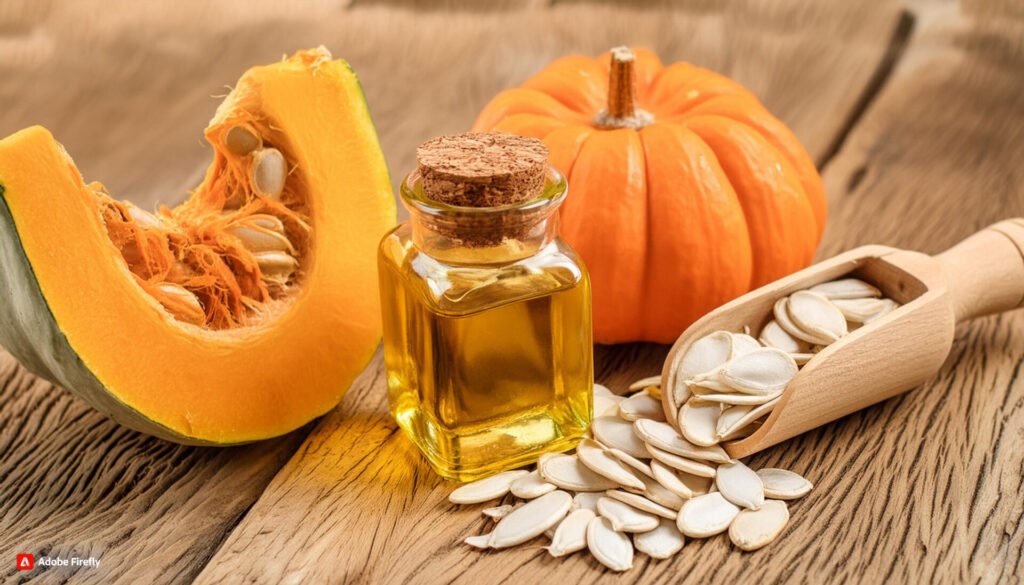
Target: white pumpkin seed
269, 171
632, 462
706, 515
674, 461
740, 485
601, 390
644, 383
567, 472
641, 503
145, 219
499, 512
657, 493
479, 540
531, 486
888, 306
857, 310
706, 354
612, 549
740, 399
680, 390
276, 264
531, 520
697, 421
257, 239
618, 434
764, 371
817, 316
742, 344
625, 518
661, 543
782, 484
801, 358
773, 335
685, 485
638, 407
242, 139
586, 501
781, 312
710, 386
753, 529
571, 534
489, 488
606, 405
597, 458
847, 288
738, 417
666, 438
180, 302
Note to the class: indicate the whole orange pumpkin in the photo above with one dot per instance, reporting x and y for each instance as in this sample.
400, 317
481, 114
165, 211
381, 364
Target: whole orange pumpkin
684, 191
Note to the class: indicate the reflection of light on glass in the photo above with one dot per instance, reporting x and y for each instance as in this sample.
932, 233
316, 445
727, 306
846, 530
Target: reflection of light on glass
433, 273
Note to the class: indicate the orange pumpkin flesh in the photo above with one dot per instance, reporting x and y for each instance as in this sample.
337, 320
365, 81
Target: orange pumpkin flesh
264, 355
701, 197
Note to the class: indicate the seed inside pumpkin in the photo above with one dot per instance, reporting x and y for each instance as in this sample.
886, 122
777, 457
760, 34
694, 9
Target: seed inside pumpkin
269, 171
242, 139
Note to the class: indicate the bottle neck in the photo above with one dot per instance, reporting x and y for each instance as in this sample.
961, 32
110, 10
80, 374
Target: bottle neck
484, 235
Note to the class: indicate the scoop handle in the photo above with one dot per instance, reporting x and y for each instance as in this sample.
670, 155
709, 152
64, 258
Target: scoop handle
986, 271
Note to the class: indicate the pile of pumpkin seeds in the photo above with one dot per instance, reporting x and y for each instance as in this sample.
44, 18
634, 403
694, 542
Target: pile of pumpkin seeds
636, 485
643, 481
727, 384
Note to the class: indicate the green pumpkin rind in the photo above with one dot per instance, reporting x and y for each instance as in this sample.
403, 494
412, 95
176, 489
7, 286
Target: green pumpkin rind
29, 332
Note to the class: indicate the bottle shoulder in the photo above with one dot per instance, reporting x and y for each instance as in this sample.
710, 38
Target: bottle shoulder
461, 288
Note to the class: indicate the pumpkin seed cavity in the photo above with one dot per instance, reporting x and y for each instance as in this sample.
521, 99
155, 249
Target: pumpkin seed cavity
231, 254
643, 495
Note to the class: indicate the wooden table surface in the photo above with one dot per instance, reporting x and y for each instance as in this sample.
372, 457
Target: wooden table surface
914, 112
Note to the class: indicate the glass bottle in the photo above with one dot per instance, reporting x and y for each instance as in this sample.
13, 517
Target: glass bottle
487, 331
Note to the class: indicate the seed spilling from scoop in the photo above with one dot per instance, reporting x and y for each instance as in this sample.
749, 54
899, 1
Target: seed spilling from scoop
625, 504
723, 370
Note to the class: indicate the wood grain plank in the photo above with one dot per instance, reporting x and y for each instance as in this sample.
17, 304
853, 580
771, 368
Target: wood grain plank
938, 156
72, 483
922, 488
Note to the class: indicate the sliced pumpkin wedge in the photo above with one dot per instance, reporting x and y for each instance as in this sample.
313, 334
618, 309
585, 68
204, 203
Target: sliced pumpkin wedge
239, 315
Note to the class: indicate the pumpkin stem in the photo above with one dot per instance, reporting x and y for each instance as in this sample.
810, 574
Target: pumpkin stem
622, 111
622, 84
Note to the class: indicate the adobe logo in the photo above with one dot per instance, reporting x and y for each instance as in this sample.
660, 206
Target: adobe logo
26, 562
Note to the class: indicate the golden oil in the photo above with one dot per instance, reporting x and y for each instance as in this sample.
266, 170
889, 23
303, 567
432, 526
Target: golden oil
488, 347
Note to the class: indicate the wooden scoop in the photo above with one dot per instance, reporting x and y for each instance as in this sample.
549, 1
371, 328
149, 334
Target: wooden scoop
982, 275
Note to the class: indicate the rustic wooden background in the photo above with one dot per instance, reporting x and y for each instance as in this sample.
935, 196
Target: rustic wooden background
914, 111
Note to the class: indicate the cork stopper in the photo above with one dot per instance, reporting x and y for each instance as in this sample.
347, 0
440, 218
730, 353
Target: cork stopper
478, 169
